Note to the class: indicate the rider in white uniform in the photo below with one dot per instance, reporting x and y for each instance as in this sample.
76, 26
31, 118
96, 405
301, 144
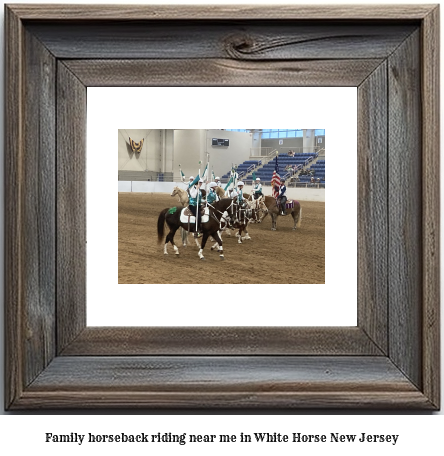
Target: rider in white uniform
195, 202
212, 195
257, 189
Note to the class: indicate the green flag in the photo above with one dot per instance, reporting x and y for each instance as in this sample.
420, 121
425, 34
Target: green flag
182, 175
195, 181
228, 183
254, 175
204, 174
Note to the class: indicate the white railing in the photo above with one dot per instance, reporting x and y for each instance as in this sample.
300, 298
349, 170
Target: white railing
259, 151
299, 150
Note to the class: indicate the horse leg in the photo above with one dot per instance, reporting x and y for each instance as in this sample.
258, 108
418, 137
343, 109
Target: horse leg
167, 240
273, 222
184, 236
204, 241
170, 238
214, 246
297, 218
221, 249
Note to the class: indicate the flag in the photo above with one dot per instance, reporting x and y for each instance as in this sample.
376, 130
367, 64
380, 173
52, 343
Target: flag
195, 181
204, 174
253, 176
228, 183
213, 176
234, 176
275, 180
182, 175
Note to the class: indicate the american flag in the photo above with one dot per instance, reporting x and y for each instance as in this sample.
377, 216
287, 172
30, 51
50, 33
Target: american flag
275, 180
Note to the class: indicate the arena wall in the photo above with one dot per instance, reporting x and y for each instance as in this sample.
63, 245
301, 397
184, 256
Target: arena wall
148, 158
191, 146
300, 193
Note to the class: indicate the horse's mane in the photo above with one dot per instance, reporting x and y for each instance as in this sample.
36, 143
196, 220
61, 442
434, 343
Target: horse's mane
220, 192
222, 204
181, 190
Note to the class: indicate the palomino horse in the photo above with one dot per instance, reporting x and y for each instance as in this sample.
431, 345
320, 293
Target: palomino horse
171, 216
274, 211
183, 195
258, 207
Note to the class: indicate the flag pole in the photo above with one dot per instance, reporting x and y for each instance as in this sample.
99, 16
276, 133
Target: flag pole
206, 178
197, 199
182, 175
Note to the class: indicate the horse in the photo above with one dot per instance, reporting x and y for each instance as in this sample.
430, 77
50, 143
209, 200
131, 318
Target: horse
183, 199
183, 195
237, 219
274, 211
219, 192
171, 216
258, 207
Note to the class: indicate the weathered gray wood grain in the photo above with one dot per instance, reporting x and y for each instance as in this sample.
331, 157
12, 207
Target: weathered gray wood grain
372, 207
71, 206
96, 341
290, 382
38, 211
430, 93
14, 361
220, 12
407, 377
263, 40
405, 209
222, 72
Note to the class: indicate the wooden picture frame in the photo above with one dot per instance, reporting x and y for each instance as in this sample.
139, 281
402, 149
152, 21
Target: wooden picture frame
390, 360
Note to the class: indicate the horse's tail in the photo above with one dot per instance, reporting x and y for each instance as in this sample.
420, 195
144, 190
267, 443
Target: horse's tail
161, 225
298, 224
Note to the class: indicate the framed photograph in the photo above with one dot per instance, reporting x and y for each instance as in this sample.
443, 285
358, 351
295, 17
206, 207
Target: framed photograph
390, 359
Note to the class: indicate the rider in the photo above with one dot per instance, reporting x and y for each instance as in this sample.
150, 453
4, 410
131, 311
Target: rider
283, 198
240, 195
190, 181
257, 189
218, 182
195, 201
212, 195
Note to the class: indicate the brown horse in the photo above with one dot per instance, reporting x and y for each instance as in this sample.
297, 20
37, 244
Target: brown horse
171, 216
274, 211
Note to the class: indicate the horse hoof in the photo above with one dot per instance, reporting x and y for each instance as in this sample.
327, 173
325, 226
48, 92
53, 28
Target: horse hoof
273, 229
222, 258
203, 258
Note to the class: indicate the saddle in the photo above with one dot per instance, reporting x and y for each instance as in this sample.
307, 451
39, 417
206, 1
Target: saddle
187, 216
289, 204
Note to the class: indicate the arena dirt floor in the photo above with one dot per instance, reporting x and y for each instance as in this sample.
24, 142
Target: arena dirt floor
270, 257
